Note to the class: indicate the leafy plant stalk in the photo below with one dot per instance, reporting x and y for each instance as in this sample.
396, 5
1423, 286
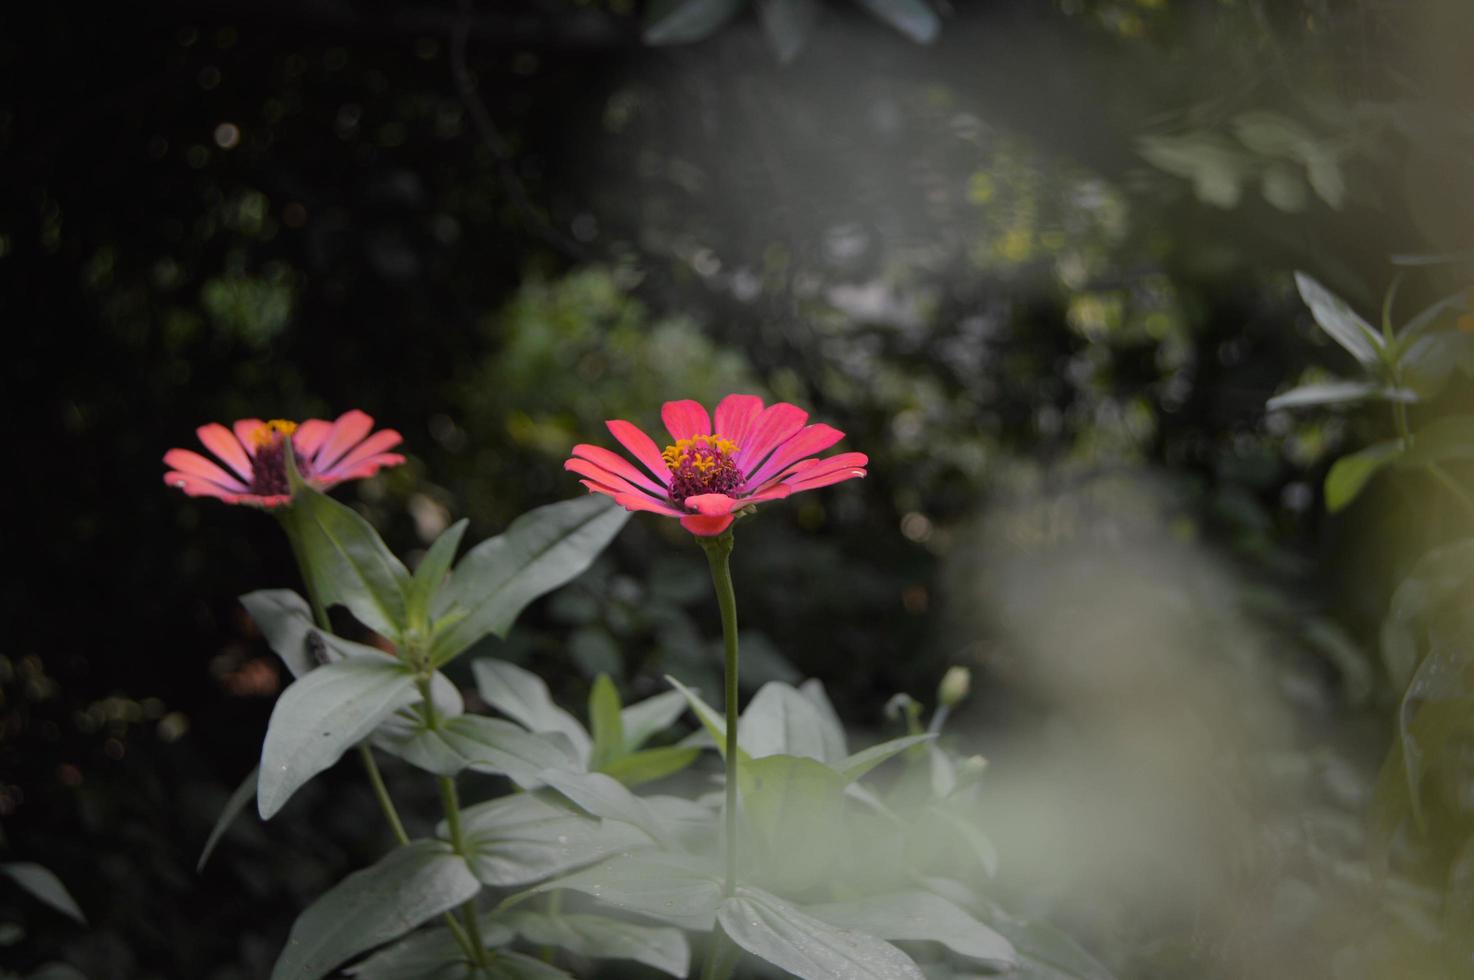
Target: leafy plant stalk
1404, 432
718, 555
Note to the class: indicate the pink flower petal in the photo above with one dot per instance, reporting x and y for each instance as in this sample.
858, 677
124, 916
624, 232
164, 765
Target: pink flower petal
612, 480
685, 419
196, 486
812, 439
358, 471
640, 446
196, 465
308, 438
775, 492
735, 415
245, 431
703, 526
775, 426
219, 440
619, 466
787, 475
632, 501
346, 433
374, 445
835, 469
712, 504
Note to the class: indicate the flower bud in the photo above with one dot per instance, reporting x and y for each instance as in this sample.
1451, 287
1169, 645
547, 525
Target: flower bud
956, 682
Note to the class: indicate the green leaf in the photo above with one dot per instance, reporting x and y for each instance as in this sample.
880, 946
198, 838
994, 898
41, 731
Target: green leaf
808, 947
1350, 473
1436, 709
1450, 437
1338, 393
45, 887
600, 937
481, 744
913, 18
238, 801
649, 765
781, 721
857, 765
1044, 952
1216, 167
430, 574
604, 718
1340, 322
541, 550
522, 696
1430, 360
604, 796
794, 807
645, 719
920, 916
520, 966
715, 724
432, 954
520, 839
322, 715
788, 24
674, 888
406, 887
286, 622
347, 561
685, 21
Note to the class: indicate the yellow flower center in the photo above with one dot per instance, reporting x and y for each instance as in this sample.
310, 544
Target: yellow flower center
271, 433
701, 465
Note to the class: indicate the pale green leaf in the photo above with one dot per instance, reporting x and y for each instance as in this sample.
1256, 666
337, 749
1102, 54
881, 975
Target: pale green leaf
808, 947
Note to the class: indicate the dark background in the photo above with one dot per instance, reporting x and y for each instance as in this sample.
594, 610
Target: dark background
492, 227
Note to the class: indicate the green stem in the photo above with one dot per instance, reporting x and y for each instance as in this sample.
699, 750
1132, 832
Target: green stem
450, 800
718, 553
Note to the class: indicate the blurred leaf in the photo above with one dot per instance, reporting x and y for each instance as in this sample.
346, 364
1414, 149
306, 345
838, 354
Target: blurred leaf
808, 947
794, 806
1431, 258
913, 18
520, 966
540, 551
1283, 188
643, 720
685, 21
520, 839
322, 715
649, 765
522, 696
675, 888
1336, 393
1449, 437
857, 765
43, 886
600, 937
1432, 314
606, 723
787, 25
1458, 905
1216, 168
715, 724
781, 721
1340, 321
920, 916
347, 561
430, 574
409, 885
1350, 473
1428, 361
237, 802
1437, 706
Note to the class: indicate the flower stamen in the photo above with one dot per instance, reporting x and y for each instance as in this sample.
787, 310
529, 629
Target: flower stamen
268, 466
702, 464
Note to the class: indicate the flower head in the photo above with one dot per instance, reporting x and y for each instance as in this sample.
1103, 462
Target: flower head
715, 467
326, 453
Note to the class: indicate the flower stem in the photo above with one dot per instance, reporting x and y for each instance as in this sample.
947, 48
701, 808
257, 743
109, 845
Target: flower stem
451, 802
718, 553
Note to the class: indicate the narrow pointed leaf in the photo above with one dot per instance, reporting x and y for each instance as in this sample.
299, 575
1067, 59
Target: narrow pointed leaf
648, 765
604, 796
481, 744
285, 620
431, 954
430, 574
408, 886
913, 18
808, 947
684, 891
45, 887
1337, 393
349, 562
857, 765
540, 551
520, 839
1340, 322
645, 719
920, 916
715, 724
601, 937
522, 696
238, 801
605, 720
322, 715
685, 21
1351, 473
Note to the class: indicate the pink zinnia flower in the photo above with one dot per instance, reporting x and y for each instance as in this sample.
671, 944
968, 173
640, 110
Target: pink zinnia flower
751, 454
327, 453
